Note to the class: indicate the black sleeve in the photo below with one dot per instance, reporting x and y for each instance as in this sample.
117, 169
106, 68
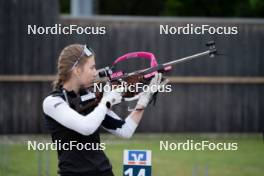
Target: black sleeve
112, 123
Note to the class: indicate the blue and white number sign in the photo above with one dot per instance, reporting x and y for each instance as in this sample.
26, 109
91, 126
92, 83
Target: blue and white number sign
137, 163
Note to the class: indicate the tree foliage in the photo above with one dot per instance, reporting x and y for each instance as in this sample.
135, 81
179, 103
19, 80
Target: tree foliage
205, 8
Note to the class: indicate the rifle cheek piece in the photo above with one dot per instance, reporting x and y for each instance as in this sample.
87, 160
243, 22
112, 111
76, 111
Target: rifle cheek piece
135, 55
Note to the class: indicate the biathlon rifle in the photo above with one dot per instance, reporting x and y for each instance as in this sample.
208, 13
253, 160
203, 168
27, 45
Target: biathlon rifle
116, 78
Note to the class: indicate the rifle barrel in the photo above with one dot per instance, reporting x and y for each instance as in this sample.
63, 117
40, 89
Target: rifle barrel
174, 62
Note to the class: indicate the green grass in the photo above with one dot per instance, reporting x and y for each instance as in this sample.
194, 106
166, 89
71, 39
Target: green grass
15, 159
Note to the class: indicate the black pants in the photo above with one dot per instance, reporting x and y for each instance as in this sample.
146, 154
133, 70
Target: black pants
105, 173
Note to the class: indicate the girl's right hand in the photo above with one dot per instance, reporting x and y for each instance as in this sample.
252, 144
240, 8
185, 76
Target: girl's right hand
112, 97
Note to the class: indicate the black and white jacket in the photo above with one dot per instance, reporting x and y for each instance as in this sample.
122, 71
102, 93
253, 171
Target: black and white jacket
66, 125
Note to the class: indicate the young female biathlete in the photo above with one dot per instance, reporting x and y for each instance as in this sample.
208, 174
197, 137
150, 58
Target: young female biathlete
76, 70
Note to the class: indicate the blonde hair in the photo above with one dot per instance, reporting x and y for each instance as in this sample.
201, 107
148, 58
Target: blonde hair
66, 61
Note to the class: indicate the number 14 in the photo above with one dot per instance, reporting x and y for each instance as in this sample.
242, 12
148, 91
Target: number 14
129, 172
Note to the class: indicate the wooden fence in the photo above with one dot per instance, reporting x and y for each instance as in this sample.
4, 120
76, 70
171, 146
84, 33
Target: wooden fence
224, 94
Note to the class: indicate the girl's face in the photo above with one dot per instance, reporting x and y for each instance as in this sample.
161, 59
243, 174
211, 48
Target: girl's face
87, 72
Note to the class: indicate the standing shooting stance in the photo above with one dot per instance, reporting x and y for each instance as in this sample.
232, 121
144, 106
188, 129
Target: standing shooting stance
76, 70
